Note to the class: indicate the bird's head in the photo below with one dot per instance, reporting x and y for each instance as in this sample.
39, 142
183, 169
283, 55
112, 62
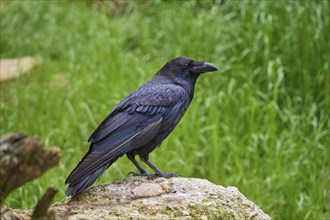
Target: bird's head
187, 68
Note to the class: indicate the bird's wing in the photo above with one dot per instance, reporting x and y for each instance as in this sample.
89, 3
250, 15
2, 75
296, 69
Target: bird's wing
127, 123
140, 128
149, 100
121, 119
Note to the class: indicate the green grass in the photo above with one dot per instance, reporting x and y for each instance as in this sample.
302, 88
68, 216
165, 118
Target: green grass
261, 123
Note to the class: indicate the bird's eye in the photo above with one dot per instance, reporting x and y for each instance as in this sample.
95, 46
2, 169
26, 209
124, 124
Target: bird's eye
188, 62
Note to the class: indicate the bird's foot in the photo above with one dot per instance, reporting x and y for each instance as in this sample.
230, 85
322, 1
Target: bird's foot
143, 174
165, 175
168, 175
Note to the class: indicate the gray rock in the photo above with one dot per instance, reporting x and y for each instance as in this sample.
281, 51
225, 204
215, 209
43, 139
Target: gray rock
147, 190
143, 198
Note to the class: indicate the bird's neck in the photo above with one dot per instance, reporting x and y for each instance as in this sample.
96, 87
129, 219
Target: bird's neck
188, 83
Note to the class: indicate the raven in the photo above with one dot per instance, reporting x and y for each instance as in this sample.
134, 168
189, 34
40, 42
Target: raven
140, 122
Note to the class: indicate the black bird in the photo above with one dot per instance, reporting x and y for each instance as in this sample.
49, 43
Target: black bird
140, 122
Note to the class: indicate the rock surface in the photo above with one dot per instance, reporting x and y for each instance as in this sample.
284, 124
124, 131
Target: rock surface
160, 198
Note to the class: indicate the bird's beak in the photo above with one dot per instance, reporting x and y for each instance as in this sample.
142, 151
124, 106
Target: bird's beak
202, 67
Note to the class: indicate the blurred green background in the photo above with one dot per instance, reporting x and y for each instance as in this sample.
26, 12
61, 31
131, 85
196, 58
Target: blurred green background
261, 123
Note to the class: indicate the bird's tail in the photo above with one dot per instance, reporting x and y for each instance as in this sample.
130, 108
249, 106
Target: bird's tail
85, 182
94, 163
78, 180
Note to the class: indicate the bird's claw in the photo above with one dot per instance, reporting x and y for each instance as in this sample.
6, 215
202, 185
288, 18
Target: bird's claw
165, 175
134, 174
169, 175
142, 174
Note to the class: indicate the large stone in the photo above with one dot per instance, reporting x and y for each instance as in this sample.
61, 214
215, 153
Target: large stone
143, 198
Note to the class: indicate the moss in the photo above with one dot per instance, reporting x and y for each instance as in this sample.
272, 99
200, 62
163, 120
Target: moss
212, 212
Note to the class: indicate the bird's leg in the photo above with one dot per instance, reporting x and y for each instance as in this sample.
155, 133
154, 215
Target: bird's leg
159, 173
142, 171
